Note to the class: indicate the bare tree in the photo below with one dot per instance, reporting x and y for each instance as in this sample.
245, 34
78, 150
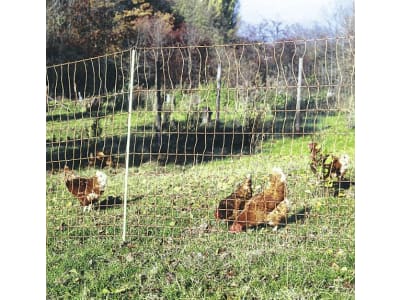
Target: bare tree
341, 20
267, 31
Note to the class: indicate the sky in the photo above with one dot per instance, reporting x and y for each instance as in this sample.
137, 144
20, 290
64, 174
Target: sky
306, 12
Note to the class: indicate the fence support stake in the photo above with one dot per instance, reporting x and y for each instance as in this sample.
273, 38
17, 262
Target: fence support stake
218, 93
128, 140
297, 117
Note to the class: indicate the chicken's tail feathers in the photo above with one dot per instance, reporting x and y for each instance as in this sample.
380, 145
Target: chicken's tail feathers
244, 189
313, 146
101, 179
287, 203
68, 173
344, 161
67, 170
248, 181
245, 182
276, 171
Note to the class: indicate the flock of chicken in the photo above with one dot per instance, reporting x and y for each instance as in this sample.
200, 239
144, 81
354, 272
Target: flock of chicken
241, 209
246, 210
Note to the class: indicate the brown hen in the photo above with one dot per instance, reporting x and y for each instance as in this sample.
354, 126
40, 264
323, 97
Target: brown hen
101, 159
327, 166
232, 205
257, 210
86, 190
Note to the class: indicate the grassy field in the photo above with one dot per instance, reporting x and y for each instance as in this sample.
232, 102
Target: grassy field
175, 248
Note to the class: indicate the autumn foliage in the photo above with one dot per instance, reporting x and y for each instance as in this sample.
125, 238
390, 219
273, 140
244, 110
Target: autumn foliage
88, 28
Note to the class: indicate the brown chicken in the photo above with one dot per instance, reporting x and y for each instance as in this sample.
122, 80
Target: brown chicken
316, 157
100, 159
258, 208
231, 206
330, 168
86, 190
327, 166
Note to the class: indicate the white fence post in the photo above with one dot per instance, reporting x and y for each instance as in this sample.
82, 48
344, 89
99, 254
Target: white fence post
297, 116
128, 140
218, 93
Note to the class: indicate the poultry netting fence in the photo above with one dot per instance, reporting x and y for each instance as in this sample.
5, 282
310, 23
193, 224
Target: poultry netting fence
177, 129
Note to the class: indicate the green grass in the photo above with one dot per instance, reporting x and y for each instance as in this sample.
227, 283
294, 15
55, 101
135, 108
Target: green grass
69, 120
71, 127
176, 249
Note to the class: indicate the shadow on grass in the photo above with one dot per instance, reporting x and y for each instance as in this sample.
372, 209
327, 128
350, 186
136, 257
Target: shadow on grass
296, 218
180, 144
117, 201
341, 186
75, 116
